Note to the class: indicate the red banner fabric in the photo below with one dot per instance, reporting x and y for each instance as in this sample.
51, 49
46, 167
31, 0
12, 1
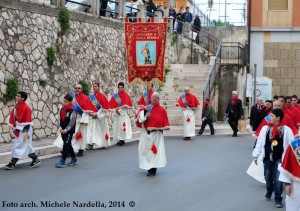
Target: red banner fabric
145, 48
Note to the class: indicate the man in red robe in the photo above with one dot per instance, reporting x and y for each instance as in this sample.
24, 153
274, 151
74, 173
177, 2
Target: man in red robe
146, 97
290, 175
286, 120
189, 105
83, 107
98, 129
153, 119
20, 120
120, 103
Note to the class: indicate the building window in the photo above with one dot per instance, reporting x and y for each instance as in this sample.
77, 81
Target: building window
278, 4
175, 5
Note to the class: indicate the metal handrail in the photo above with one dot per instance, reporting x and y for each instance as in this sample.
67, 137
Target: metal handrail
207, 41
214, 70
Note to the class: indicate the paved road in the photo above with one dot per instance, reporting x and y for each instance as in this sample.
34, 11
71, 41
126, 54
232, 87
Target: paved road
208, 173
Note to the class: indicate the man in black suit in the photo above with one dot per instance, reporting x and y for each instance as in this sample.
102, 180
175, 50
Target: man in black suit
234, 112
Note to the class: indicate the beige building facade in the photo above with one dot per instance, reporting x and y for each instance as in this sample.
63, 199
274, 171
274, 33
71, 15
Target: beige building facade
274, 35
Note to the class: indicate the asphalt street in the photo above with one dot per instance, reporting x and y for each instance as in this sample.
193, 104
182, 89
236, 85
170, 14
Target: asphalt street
207, 173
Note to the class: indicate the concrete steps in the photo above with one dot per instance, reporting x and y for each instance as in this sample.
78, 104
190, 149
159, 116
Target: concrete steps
181, 76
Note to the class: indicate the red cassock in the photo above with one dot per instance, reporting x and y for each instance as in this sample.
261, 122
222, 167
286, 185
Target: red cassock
158, 120
23, 116
285, 121
295, 114
291, 160
191, 100
84, 102
142, 101
102, 100
126, 101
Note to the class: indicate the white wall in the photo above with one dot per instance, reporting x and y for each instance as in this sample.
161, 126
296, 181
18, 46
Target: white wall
285, 36
257, 52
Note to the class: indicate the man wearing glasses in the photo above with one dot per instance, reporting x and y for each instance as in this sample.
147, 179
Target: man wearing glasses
189, 105
120, 103
82, 106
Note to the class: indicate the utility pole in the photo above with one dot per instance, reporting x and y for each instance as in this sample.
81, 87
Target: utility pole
254, 89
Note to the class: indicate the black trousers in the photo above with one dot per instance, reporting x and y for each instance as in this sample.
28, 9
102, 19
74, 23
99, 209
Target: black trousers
233, 124
67, 147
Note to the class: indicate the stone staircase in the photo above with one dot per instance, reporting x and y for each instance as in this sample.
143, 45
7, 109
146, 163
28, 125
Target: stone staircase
181, 76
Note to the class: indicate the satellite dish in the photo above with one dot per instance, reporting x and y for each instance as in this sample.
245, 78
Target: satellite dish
210, 3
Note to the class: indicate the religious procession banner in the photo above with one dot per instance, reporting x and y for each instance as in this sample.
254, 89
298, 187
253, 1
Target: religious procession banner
145, 49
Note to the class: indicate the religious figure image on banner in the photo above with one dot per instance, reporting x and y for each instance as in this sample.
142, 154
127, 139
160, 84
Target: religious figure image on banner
146, 53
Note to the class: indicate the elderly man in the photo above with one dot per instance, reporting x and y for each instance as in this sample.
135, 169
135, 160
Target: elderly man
98, 129
287, 120
256, 113
121, 103
83, 107
153, 119
234, 112
189, 105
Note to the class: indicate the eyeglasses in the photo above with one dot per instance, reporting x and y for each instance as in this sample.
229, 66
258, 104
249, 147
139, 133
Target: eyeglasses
77, 88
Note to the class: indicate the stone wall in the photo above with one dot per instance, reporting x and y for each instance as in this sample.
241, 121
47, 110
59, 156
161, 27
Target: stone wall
228, 33
282, 65
92, 50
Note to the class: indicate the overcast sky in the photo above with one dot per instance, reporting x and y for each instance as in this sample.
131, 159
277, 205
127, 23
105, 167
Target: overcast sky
234, 10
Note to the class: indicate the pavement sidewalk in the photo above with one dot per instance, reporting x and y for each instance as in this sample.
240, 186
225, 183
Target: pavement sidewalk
45, 147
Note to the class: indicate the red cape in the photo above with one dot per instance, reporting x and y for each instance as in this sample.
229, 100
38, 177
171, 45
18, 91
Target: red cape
84, 102
286, 121
142, 99
290, 163
102, 100
158, 119
126, 101
23, 114
294, 113
191, 99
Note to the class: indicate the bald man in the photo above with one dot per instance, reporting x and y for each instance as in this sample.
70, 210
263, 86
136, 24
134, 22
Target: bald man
234, 112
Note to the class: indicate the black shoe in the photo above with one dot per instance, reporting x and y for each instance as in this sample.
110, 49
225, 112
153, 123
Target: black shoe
89, 147
199, 134
80, 153
34, 163
121, 143
234, 135
9, 166
187, 138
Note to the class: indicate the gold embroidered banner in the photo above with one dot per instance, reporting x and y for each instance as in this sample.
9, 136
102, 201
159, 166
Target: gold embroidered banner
145, 49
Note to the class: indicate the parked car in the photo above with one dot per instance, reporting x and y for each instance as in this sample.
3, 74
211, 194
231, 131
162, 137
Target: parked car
78, 7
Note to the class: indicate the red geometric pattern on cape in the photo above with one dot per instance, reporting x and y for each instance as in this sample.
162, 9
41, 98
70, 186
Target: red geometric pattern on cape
84, 102
158, 119
102, 100
142, 99
126, 101
154, 149
23, 113
191, 99
290, 163
285, 121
